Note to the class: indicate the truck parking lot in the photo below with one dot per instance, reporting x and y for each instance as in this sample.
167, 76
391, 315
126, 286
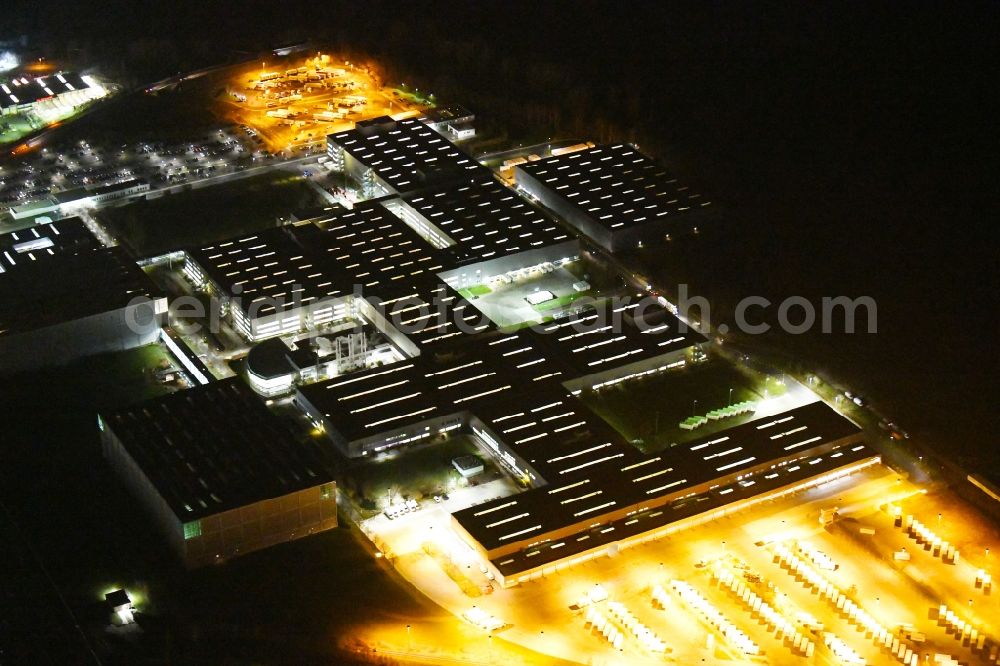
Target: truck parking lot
768, 584
294, 104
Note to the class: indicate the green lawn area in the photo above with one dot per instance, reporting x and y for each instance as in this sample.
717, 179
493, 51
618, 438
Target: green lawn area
132, 372
651, 409
108, 380
14, 127
478, 290
196, 217
422, 471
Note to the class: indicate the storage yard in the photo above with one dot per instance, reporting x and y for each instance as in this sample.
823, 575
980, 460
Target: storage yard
293, 105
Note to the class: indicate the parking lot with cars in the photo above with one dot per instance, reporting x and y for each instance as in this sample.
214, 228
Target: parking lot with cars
62, 167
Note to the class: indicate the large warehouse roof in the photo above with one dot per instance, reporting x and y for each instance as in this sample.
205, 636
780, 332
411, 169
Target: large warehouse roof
511, 382
595, 339
620, 481
512, 385
405, 154
216, 447
614, 185
44, 293
430, 385
267, 271
42, 241
380, 254
294, 266
642, 521
432, 314
22, 90
484, 219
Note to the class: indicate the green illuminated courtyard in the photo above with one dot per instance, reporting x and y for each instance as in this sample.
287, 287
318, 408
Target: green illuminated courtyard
649, 411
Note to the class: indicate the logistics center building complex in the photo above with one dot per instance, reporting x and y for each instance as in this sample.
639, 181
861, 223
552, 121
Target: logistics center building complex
438, 223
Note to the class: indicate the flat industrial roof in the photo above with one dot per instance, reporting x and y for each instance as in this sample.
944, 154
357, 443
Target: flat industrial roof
483, 219
291, 266
406, 154
216, 447
43, 241
609, 334
303, 214
68, 287
551, 550
617, 480
614, 185
496, 375
510, 382
370, 245
75, 194
430, 313
458, 378
37, 206
24, 90
268, 265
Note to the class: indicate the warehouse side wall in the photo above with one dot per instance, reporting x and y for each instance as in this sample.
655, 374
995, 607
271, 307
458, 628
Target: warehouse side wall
115, 330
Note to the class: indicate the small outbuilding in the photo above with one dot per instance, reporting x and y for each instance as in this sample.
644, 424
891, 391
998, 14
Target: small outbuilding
468, 466
121, 605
